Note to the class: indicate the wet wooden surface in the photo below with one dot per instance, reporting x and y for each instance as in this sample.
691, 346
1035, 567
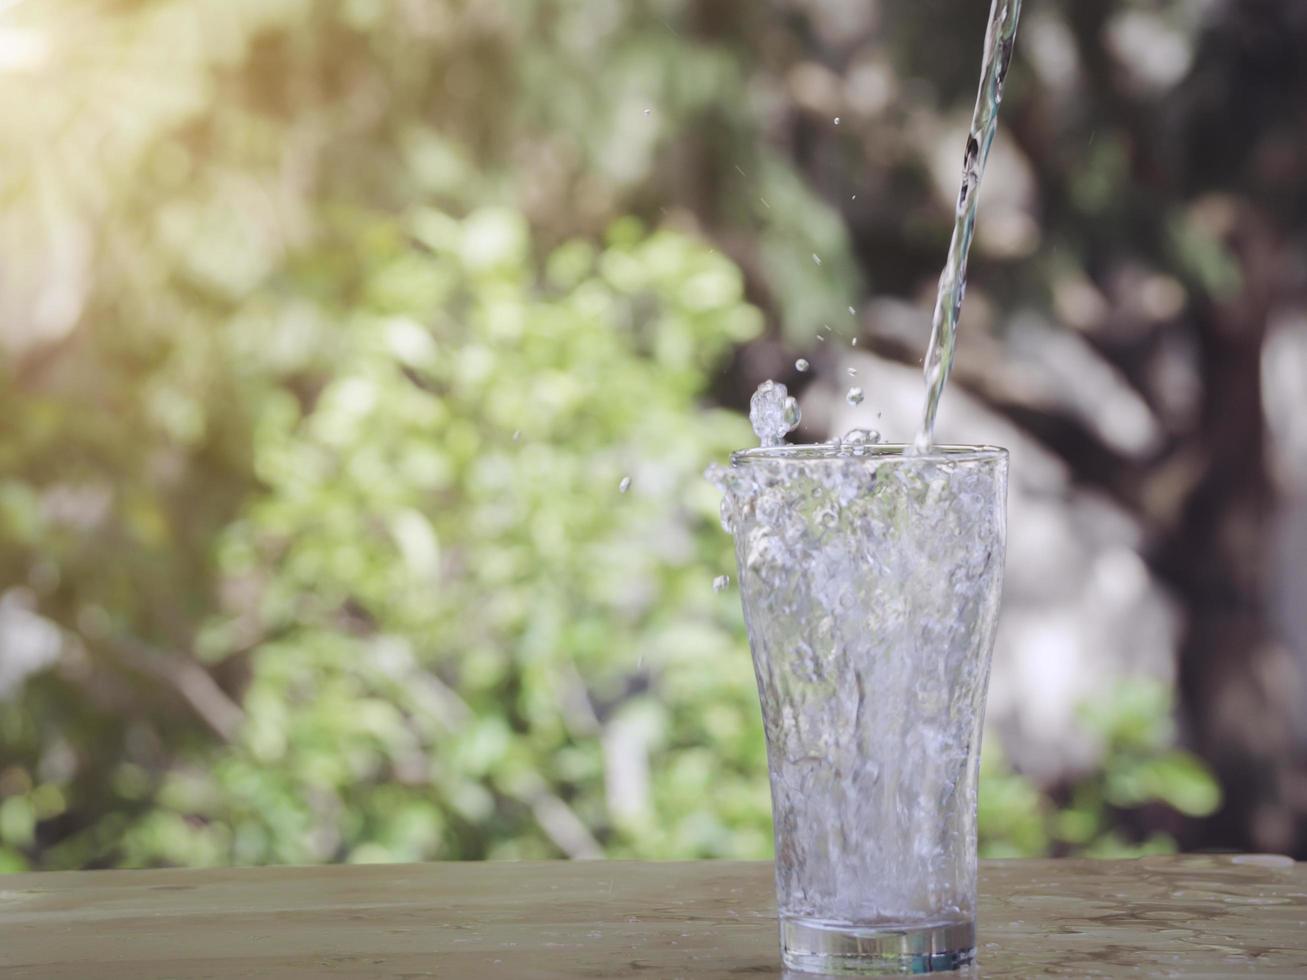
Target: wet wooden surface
1187, 916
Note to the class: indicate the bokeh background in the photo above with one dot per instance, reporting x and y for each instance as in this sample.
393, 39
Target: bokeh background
328, 331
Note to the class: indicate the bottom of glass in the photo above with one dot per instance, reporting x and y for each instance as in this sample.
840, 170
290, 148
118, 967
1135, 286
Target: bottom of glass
844, 949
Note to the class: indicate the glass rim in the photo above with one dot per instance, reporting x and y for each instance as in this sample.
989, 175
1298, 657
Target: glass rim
824, 452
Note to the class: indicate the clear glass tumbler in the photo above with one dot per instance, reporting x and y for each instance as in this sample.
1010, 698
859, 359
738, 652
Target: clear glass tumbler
871, 579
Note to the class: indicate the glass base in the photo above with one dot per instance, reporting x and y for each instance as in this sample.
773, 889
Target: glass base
844, 949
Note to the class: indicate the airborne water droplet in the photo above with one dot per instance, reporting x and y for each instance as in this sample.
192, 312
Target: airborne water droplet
801, 365
720, 583
648, 111
625, 485
837, 120
854, 396
517, 434
852, 311
816, 258
853, 372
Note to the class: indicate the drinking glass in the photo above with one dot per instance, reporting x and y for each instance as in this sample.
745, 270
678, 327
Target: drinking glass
871, 578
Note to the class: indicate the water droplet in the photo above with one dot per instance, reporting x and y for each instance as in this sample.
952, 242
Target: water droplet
625, 485
837, 120
801, 365
764, 203
855, 341
854, 396
517, 434
648, 111
720, 583
852, 311
854, 197
816, 258
853, 372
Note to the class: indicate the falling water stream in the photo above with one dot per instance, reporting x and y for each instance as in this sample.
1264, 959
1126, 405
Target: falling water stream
999, 40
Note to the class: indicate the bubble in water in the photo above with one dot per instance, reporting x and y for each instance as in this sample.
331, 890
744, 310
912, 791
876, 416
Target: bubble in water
720, 583
854, 396
801, 365
773, 413
625, 485
816, 258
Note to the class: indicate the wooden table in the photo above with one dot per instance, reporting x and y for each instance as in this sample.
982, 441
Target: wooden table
1186, 916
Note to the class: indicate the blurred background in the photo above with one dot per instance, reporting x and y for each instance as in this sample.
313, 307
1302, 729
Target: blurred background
330, 328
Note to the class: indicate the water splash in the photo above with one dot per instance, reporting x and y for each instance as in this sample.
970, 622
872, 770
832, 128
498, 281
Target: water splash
861, 437
720, 583
854, 397
999, 41
773, 413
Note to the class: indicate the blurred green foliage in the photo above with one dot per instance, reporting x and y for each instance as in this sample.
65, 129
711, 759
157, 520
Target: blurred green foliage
451, 600
334, 362
1141, 768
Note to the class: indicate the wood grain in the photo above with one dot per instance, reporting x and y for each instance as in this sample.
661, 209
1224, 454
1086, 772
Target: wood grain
1187, 916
